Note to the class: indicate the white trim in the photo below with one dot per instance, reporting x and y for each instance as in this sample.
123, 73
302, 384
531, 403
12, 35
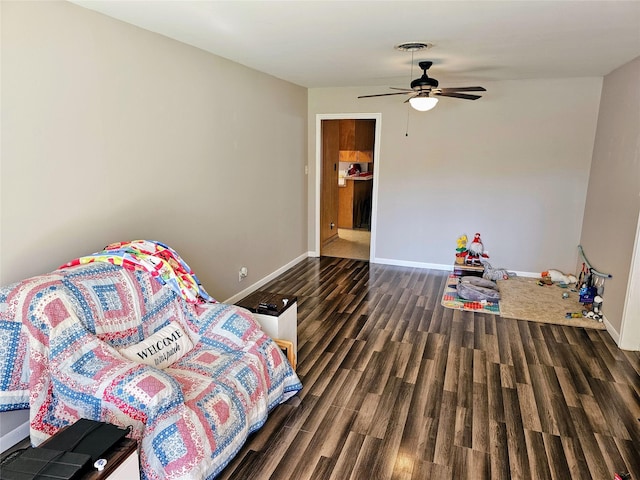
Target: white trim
407, 263
527, 274
16, 435
436, 266
376, 155
316, 220
612, 331
629, 337
240, 295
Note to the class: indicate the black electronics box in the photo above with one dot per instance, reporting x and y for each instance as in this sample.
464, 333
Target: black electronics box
45, 464
66, 455
265, 303
88, 436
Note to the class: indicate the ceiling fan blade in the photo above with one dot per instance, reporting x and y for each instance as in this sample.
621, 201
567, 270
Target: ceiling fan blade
463, 89
385, 94
403, 89
458, 95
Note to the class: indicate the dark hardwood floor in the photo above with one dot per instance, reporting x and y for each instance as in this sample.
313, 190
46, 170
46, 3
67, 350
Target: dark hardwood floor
398, 387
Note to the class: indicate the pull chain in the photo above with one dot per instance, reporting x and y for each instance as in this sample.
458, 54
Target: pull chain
406, 134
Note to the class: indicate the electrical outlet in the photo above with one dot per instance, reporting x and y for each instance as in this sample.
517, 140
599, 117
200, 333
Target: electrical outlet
242, 274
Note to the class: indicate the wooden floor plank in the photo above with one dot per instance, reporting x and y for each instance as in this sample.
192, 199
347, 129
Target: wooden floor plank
347, 458
558, 466
518, 454
480, 419
398, 387
538, 462
499, 450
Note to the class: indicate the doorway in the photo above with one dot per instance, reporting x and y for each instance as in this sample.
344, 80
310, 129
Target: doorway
347, 185
351, 243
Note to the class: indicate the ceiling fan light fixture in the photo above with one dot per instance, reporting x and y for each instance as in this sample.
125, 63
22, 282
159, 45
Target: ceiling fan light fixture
413, 46
423, 103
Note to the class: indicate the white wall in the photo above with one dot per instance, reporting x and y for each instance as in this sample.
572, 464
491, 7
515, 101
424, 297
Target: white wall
613, 200
513, 165
111, 132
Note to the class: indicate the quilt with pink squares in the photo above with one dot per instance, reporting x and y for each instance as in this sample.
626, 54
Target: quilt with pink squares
63, 338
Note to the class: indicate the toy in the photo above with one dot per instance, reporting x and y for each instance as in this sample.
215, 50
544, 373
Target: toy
556, 276
462, 243
478, 289
491, 273
476, 251
597, 308
461, 249
587, 294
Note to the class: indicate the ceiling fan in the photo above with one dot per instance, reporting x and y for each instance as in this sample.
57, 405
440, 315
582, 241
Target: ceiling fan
425, 90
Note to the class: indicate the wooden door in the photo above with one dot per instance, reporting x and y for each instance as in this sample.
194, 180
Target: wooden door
348, 134
365, 135
357, 134
329, 181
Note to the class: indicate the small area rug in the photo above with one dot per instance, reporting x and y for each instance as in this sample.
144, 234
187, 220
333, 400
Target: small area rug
450, 299
523, 299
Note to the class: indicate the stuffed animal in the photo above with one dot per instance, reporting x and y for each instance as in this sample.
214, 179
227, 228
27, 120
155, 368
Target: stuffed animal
557, 276
478, 289
494, 274
476, 251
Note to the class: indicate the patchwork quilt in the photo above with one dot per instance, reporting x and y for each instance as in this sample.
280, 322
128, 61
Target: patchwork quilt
60, 341
160, 260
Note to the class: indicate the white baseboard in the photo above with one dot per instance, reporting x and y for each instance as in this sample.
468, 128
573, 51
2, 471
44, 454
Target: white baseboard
16, 435
252, 288
527, 274
435, 266
407, 263
612, 331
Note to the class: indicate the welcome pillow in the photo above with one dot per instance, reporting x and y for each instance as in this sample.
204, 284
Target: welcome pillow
166, 346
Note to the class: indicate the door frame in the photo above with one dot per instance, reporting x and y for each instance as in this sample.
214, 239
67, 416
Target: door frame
376, 156
629, 338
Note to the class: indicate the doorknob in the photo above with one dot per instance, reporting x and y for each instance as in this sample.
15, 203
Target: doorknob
332, 225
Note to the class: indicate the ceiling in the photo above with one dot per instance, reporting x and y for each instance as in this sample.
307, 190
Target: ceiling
351, 43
